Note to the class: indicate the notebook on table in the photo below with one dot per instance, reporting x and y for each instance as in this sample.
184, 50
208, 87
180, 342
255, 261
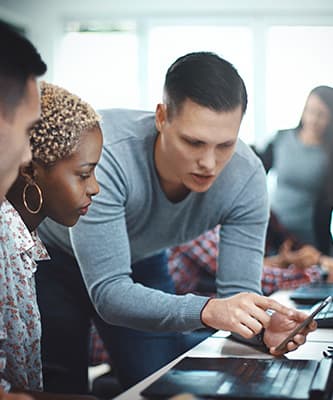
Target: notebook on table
312, 293
245, 378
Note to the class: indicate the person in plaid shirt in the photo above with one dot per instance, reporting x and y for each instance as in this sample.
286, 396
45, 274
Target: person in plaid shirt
288, 263
192, 265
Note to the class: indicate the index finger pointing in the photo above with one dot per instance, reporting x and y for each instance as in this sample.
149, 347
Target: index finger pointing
276, 306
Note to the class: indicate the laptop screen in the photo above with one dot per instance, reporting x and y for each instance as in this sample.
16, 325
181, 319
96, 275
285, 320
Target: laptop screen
312, 293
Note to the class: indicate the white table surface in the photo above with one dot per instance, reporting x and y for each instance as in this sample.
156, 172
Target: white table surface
219, 345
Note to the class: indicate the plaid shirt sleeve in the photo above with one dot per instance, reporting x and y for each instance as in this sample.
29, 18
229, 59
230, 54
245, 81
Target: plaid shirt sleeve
194, 262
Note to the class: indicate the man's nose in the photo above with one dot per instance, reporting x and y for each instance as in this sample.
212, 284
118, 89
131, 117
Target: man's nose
207, 160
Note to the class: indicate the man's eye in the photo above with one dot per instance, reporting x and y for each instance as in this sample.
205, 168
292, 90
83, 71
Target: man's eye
225, 145
195, 143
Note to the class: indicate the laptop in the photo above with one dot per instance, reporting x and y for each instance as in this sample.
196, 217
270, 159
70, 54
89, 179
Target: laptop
312, 293
245, 378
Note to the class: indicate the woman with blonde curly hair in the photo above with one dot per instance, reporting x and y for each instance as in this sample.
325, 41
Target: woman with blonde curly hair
66, 144
58, 183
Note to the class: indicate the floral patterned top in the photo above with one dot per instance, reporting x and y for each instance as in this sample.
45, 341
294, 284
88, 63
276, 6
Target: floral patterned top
20, 330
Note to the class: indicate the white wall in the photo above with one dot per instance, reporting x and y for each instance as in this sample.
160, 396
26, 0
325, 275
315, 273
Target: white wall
44, 19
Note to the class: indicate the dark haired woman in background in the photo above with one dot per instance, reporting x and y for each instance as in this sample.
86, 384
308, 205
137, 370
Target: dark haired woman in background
303, 161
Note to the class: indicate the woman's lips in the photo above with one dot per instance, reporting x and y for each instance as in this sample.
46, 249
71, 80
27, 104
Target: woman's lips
84, 210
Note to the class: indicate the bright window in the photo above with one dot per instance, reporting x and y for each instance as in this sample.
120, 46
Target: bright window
298, 59
125, 66
167, 43
100, 67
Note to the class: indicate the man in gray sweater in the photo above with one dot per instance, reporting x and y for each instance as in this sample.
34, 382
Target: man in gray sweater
166, 178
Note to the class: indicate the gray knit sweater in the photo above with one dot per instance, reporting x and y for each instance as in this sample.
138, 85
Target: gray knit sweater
132, 218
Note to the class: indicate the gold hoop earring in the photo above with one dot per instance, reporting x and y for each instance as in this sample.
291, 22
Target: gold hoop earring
33, 184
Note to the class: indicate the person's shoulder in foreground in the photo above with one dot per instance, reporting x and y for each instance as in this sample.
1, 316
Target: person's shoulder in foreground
124, 124
20, 65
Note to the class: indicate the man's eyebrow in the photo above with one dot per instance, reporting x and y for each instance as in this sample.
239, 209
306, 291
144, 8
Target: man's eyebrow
192, 138
227, 142
230, 141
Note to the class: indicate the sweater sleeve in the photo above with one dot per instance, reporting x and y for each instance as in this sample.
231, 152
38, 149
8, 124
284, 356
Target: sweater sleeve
101, 245
241, 247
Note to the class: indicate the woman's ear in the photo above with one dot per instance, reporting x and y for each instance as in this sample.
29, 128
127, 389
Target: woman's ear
29, 171
26, 172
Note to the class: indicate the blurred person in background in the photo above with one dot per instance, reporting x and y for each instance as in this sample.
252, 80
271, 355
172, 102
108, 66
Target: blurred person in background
287, 263
302, 159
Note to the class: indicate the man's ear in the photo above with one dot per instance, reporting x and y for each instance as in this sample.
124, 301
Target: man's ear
160, 116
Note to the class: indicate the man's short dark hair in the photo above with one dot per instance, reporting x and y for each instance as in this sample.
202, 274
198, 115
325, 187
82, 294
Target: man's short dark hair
19, 60
206, 79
